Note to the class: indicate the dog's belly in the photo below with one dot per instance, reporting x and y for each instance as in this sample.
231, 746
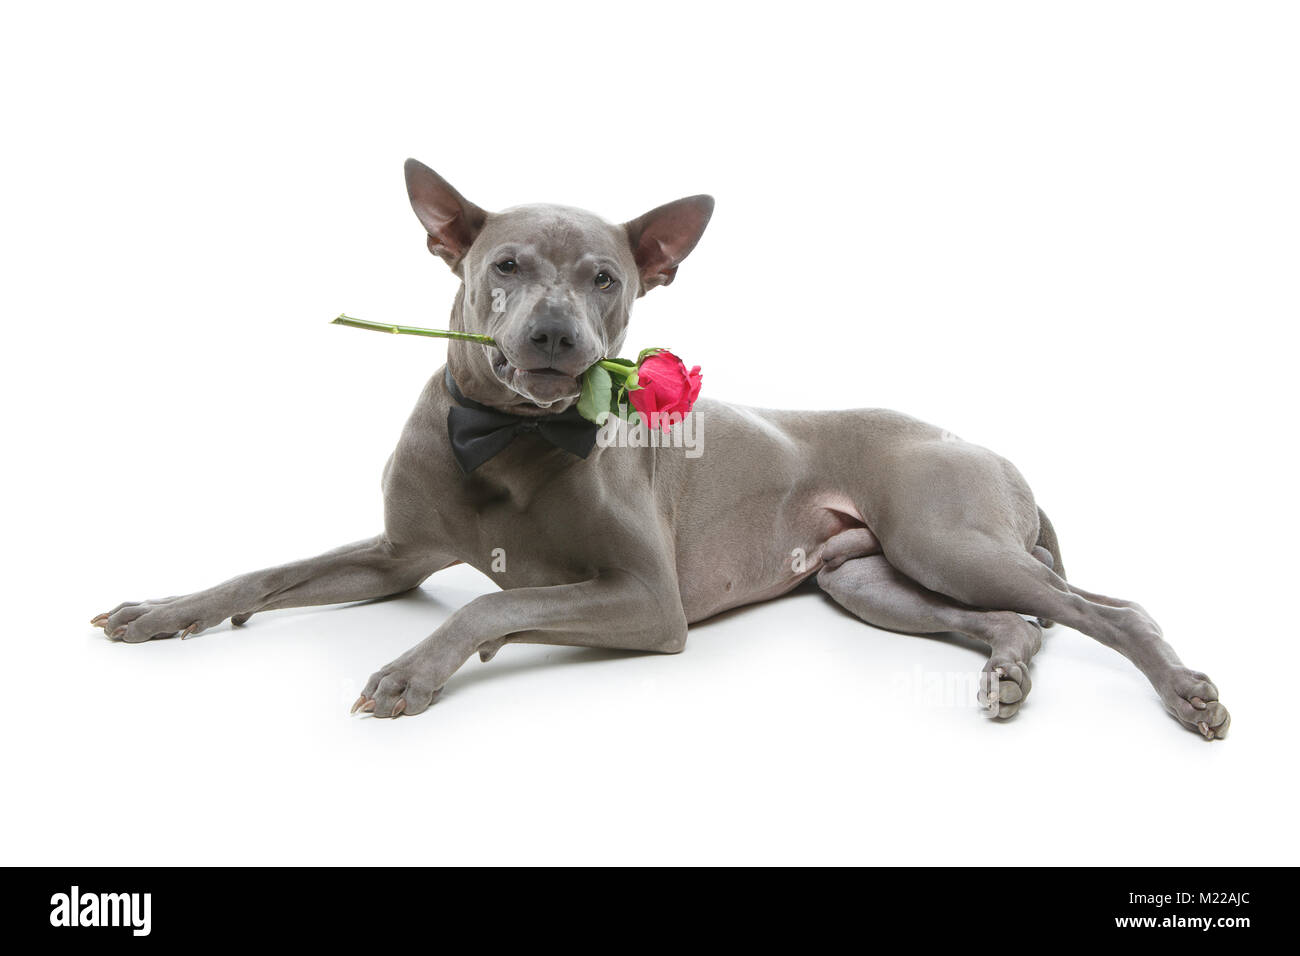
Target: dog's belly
737, 568
767, 504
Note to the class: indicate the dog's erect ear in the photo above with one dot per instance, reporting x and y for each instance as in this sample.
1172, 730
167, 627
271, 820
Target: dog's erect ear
663, 237
451, 220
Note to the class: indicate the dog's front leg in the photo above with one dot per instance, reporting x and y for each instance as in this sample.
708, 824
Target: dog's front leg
355, 572
616, 609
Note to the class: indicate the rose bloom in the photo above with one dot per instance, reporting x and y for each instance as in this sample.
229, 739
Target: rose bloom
667, 389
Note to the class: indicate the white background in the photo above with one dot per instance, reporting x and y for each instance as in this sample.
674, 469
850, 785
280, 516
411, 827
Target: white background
1065, 231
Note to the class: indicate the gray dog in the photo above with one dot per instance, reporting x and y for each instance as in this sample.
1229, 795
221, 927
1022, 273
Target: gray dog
906, 526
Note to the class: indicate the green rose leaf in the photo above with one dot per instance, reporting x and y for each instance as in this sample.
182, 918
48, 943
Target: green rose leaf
597, 390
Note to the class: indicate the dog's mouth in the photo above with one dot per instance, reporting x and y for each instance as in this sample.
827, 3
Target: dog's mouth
543, 387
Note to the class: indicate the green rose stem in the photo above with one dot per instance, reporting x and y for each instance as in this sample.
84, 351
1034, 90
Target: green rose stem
412, 330
604, 385
621, 369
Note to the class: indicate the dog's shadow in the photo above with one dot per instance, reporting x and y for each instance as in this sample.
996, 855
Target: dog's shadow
444, 602
505, 665
951, 638
810, 588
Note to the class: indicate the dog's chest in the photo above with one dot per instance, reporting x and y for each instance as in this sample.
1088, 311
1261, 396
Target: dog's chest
534, 518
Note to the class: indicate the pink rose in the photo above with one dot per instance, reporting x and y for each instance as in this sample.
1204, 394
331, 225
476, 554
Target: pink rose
666, 388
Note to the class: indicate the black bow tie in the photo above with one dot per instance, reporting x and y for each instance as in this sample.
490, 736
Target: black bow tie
478, 433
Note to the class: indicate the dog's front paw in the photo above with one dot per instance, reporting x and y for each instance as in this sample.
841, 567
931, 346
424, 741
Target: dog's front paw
1194, 701
400, 688
134, 622
411, 683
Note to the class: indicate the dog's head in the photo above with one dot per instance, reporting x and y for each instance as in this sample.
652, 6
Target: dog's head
553, 286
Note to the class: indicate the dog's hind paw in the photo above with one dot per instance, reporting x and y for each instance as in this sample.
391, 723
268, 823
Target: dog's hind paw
1004, 685
1193, 700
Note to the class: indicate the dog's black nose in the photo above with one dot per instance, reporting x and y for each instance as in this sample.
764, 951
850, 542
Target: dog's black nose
553, 334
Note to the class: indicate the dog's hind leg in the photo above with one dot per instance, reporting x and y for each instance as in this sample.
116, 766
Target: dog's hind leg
882, 596
361, 571
978, 570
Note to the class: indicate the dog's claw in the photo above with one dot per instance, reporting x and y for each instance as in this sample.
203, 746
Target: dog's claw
99, 620
188, 631
398, 707
120, 631
368, 706
360, 700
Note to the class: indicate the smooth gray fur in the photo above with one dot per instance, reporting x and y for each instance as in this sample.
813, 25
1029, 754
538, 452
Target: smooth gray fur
905, 526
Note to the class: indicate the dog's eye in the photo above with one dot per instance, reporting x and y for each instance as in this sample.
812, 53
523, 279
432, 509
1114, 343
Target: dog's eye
507, 267
604, 280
